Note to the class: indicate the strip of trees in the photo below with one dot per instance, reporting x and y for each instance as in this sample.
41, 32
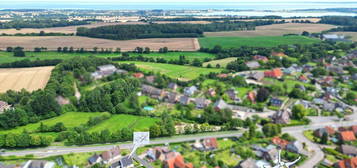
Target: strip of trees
40, 23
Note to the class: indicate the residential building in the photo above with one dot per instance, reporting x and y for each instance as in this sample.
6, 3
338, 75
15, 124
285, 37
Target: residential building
211, 92
275, 73
106, 70
94, 159
138, 75
282, 143
348, 150
172, 97
346, 136
222, 75
278, 54
296, 147
202, 102
4, 106
208, 144
185, 100
112, 154
150, 79
232, 94
39, 164
247, 163
175, 160
281, 117
260, 58
190, 91
252, 64
172, 86
346, 163
321, 131
276, 102
258, 76
251, 96
152, 91
333, 37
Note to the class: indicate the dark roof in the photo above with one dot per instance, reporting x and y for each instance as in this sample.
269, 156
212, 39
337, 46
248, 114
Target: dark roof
93, 159
126, 161
276, 102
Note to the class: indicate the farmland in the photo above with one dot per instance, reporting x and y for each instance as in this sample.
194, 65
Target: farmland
275, 30
24, 78
261, 41
221, 62
53, 42
6, 57
180, 72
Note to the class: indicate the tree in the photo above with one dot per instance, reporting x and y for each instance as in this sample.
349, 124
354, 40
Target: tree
196, 62
252, 131
59, 49
305, 33
263, 95
18, 52
324, 138
9, 49
37, 49
147, 50
299, 112
155, 131
271, 130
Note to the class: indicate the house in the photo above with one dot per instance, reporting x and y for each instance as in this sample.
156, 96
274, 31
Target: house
275, 73
276, 102
39, 164
260, 58
346, 136
328, 106
112, 154
175, 160
282, 143
201, 102
222, 75
303, 78
59, 99
172, 97
189, 91
251, 96
4, 106
232, 94
252, 64
211, 92
321, 131
172, 86
106, 70
354, 129
220, 105
333, 37
346, 163
281, 117
157, 153
207, 144
258, 76
248, 163
150, 79
270, 153
348, 150
152, 91
292, 70
296, 147
185, 100
138, 75
124, 162
94, 159
327, 81
278, 54
336, 69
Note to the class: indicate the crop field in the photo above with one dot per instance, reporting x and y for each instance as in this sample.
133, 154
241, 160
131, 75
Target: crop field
180, 72
24, 78
67, 29
53, 42
261, 41
221, 62
275, 30
117, 122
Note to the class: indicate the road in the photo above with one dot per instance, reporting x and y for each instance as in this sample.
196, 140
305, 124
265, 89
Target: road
297, 131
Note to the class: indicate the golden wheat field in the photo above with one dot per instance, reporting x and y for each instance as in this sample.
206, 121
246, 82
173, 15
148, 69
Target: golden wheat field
24, 78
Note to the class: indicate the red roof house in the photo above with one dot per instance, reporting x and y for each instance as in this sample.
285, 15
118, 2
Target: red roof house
260, 58
347, 163
278, 54
210, 143
138, 75
251, 96
347, 136
275, 73
222, 75
280, 142
175, 160
354, 129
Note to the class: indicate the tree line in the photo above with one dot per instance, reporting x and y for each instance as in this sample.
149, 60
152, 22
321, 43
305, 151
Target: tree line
126, 32
40, 23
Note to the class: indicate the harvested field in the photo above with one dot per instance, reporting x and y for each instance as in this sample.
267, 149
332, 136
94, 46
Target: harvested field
53, 42
67, 29
276, 30
24, 78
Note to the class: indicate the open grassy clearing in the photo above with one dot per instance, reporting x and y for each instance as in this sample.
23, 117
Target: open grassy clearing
24, 78
69, 119
260, 41
6, 57
289, 82
275, 30
180, 72
117, 122
53, 42
222, 62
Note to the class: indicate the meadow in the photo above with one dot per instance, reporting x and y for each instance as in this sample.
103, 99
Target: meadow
222, 62
24, 78
6, 57
180, 72
260, 41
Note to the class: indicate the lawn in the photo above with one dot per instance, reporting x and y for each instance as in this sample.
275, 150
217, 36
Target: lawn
222, 62
69, 119
117, 122
260, 41
6, 57
289, 82
180, 72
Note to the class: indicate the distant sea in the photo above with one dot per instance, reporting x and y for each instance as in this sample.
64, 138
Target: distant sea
260, 8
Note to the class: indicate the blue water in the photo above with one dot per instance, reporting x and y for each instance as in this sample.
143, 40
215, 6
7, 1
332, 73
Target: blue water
175, 5
148, 108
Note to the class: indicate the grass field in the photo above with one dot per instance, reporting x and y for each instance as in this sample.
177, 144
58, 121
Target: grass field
180, 72
24, 78
261, 41
6, 57
117, 122
221, 62
53, 42
69, 119
275, 30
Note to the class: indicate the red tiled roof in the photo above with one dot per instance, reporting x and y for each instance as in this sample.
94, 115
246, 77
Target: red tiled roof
330, 130
251, 96
347, 163
280, 142
138, 75
222, 75
260, 58
303, 78
347, 136
278, 54
210, 142
275, 73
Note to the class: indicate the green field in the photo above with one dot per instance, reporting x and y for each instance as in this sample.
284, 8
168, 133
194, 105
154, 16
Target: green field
6, 57
117, 122
174, 71
69, 119
222, 62
260, 41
